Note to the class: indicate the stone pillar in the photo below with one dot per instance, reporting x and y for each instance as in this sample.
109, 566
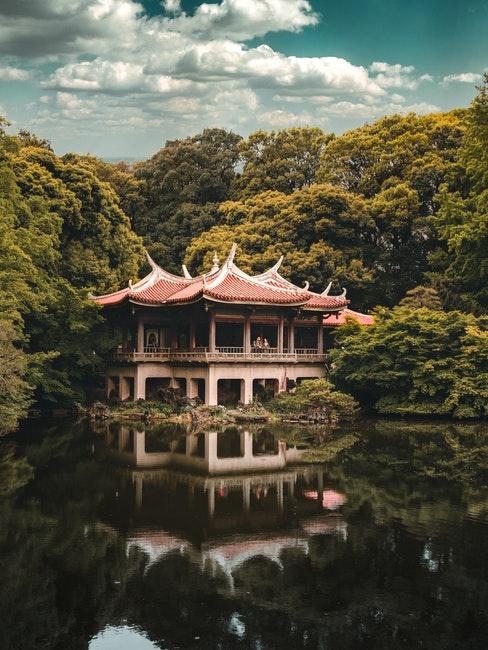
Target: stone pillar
140, 334
123, 436
320, 336
246, 495
247, 335
174, 383
191, 388
247, 444
211, 332
139, 481
211, 450
291, 336
246, 390
211, 500
139, 446
124, 388
279, 495
192, 341
211, 391
281, 330
139, 384
109, 384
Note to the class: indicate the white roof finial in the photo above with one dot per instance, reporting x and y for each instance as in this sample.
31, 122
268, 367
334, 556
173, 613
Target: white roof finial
230, 259
152, 263
343, 294
215, 262
327, 289
186, 272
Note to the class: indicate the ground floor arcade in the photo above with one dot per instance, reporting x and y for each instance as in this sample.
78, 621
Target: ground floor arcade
215, 383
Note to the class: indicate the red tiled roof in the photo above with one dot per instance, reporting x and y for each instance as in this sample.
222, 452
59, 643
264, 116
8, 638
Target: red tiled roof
339, 319
225, 284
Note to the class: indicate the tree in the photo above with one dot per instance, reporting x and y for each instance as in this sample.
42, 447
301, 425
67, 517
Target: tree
321, 230
421, 297
416, 362
180, 187
284, 161
62, 232
15, 391
461, 266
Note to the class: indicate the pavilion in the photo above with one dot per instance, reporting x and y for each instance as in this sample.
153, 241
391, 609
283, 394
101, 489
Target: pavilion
219, 335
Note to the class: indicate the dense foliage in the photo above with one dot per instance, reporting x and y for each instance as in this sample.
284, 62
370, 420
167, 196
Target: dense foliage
358, 211
63, 233
462, 220
416, 362
316, 398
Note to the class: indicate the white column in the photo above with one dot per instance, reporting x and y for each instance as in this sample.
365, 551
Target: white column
124, 388
246, 495
246, 390
140, 334
320, 336
139, 384
279, 495
211, 392
211, 332
191, 342
247, 444
191, 388
247, 335
110, 385
291, 336
211, 450
211, 500
281, 328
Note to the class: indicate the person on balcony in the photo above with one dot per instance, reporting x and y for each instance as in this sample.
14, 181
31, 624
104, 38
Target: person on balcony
266, 345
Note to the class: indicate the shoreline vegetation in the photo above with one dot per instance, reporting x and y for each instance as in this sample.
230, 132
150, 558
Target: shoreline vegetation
394, 210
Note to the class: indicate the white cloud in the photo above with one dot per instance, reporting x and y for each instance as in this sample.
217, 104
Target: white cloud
396, 75
462, 77
245, 19
116, 67
8, 73
172, 6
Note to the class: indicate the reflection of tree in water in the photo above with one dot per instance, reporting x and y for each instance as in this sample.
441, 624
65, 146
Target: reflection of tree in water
412, 569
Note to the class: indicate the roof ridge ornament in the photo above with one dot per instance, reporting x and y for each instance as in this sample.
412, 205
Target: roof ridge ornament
327, 289
343, 294
186, 272
152, 263
307, 284
215, 262
130, 285
232, 254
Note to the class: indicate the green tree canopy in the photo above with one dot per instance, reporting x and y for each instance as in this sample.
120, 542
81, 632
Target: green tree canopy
285, 160
322, 231
180, 186
416, 362
461, 267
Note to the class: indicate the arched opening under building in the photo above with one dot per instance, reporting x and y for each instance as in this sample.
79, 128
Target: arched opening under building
154, 385
264, 389
228, 391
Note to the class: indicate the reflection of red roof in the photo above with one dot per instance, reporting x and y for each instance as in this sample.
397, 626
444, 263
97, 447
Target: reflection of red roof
339, 319
225, 284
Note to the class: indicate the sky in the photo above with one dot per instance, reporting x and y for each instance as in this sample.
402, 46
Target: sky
117, 78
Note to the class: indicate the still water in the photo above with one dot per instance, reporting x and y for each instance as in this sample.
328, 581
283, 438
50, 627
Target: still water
122, 537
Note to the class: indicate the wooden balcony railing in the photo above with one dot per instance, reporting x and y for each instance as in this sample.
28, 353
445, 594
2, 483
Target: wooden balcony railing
222, 354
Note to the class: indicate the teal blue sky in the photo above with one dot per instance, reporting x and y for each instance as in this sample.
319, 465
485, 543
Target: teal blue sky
119, 77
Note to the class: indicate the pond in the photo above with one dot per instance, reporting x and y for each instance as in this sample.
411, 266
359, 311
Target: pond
120, 537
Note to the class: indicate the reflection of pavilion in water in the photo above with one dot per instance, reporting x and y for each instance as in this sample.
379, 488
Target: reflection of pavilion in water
239, 499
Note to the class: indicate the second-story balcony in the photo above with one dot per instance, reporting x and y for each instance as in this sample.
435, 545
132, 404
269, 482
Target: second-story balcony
220, 354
